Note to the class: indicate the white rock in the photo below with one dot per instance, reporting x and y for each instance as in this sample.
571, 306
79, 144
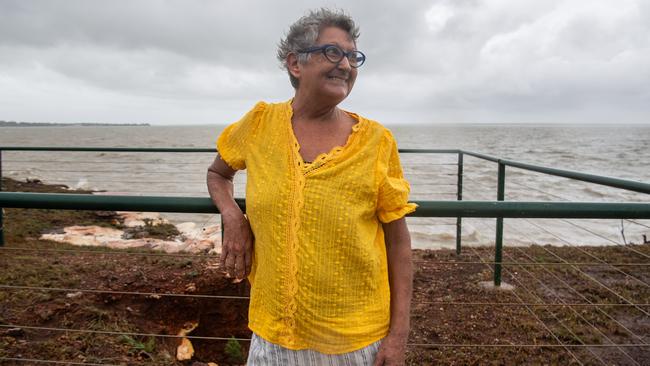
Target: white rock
133, 219
192, 239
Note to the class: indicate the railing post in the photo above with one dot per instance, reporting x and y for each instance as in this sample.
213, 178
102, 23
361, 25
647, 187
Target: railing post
498, 253
459, 192
2, 232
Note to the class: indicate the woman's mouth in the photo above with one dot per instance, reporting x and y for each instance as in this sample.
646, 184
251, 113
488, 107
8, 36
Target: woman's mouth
337, 78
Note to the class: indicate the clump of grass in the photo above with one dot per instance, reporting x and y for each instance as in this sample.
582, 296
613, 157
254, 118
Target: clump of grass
185, 264
137, 346
160, 231
234, 351
191, 274
97, 318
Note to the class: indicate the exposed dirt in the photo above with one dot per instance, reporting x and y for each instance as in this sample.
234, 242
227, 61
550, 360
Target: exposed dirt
444, 285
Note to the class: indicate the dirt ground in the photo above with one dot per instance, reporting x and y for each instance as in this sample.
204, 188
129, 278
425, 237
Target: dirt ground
453, 316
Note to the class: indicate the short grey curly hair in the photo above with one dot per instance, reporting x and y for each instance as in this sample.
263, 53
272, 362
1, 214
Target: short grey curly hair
304, 32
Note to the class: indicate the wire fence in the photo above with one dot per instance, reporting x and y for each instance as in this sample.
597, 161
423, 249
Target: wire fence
580, 300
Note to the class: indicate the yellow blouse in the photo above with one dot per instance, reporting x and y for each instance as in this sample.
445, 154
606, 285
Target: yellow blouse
319, 278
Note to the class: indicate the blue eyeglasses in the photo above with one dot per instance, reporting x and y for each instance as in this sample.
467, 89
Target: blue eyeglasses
335, 54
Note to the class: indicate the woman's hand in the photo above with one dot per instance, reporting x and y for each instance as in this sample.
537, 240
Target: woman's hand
237, 247
391, 351
400, 276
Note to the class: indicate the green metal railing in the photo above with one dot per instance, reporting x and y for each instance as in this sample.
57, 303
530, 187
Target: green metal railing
498, 209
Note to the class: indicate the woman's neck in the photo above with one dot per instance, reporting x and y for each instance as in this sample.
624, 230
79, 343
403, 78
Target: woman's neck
308, 109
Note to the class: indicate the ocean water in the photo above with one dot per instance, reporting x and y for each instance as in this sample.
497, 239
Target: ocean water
621, 151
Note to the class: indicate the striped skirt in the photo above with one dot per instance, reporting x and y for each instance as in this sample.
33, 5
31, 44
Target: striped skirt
265, 353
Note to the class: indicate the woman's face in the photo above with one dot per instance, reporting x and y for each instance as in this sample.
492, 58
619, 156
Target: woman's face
326, 79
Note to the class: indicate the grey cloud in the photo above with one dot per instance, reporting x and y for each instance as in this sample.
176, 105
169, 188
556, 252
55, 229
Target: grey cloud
430, 61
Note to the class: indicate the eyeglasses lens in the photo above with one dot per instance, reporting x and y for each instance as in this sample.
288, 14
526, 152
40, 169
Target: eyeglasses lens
356, 58
335, 54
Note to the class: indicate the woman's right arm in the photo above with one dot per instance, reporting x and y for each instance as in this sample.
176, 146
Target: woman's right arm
237, 246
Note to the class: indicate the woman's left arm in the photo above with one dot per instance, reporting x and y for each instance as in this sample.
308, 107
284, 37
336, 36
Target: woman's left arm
400, 276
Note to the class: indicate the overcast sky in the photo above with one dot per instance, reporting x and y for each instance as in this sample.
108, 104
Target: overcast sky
436, 61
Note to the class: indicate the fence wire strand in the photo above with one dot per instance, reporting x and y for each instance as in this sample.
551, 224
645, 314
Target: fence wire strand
571, 288
530, 311
586, 252
209, 256
229, 297
38, 360
576, 313
557, 319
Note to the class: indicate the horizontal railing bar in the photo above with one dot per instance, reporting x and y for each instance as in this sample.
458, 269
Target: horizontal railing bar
481, 156
64, 201
578, 210
432, 184
429, 151
629, 185
110, 149
104, 162
91, 180
177, 149
34, 170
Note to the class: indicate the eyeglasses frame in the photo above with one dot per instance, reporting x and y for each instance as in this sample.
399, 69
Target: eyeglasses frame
322, 48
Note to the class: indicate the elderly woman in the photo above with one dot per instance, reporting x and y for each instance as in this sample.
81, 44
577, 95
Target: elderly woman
324, 242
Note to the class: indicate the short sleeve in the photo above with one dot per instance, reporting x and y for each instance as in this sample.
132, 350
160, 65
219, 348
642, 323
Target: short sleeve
233, 143
392, 201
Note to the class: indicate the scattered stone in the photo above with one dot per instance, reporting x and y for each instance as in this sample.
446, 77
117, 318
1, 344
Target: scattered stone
133, 219
15, 332
191, 287
73, 295
45, 314
489, 285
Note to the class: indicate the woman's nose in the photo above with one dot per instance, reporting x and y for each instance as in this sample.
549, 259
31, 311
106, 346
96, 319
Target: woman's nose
344, 64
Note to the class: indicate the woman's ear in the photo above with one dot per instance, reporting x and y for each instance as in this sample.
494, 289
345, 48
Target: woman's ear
292, 65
